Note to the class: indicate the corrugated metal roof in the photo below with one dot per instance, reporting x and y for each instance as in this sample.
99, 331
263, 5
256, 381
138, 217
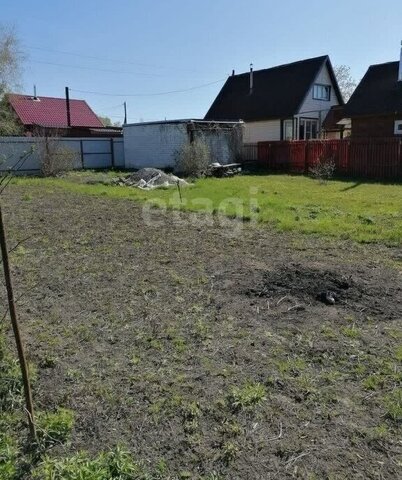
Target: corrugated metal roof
52, 112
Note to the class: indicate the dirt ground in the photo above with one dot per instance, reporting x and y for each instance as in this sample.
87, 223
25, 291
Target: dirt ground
148, 332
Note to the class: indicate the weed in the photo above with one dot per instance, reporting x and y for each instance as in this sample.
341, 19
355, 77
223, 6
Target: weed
291, 365
191, 412
8, 457
380, 432
247, 397
115, 465
48, 361
55, 427
229, 451
393, 405
373, 382
351, 332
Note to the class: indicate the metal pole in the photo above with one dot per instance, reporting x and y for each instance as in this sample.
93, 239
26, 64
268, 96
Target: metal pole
68, 107
16, 329
125, 113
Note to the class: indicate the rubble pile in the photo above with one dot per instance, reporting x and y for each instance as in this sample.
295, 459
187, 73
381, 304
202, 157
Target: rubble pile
149, 178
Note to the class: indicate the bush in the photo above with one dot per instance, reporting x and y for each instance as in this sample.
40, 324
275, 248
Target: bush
324, 169
193, 159
54, 158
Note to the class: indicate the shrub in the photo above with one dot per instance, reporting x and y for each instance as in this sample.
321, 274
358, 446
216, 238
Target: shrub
193, 159
54, 157
324, 169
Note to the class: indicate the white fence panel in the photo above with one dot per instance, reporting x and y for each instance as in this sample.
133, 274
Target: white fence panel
91, 152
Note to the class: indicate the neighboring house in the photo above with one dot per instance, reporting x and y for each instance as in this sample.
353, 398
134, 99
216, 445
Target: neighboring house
57, 116
375, 108
156, 144
288, 102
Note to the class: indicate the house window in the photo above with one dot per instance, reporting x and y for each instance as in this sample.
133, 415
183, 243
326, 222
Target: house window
398, 127
322, 92
308, 129
288, 130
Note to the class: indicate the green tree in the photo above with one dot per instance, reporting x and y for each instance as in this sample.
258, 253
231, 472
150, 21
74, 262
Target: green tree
105, 120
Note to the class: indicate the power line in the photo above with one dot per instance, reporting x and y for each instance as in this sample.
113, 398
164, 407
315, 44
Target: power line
148, 94
80, 67
105, 59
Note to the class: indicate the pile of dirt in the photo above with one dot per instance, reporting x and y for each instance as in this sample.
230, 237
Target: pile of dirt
307, 286
149, 178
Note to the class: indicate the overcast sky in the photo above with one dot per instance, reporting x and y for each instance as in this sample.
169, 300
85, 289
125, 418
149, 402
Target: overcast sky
141, 47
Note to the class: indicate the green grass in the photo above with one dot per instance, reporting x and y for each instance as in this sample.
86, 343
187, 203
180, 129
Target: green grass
365, 212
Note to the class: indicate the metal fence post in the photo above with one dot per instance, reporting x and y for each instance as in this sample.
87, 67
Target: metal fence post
82, 154
112, 151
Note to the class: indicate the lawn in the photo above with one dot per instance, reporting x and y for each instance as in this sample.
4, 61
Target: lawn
365, 212
175, 350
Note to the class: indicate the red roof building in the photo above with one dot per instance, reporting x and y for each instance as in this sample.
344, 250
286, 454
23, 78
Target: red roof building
50, 113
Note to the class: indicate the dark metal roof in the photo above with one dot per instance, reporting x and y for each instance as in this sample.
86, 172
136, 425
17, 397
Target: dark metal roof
336, 113
278, 92
378, 93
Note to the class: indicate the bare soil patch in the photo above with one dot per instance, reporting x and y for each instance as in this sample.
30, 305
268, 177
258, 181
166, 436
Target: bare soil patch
340, 286
176, 340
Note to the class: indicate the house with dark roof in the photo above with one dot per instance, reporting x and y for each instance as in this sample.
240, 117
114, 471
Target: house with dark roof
375, 108
287, 102
64, 117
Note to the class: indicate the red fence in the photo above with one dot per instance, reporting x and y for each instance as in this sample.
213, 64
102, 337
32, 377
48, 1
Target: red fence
379, 158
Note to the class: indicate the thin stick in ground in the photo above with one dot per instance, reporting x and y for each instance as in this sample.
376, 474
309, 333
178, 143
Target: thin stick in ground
16, 329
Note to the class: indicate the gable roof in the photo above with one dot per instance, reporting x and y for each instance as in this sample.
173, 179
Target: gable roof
278, 92
378, 93
52, 112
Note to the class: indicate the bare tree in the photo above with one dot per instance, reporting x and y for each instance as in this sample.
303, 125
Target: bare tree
55, 158
346, 82
11, 60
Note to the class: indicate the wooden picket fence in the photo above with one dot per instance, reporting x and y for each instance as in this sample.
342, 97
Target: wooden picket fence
377, 158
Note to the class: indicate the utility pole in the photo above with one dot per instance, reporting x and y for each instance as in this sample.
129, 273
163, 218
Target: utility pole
68, 107
125, 113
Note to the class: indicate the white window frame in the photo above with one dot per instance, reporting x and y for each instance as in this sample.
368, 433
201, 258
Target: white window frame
288, 124
322, 92
398, 127
308, 127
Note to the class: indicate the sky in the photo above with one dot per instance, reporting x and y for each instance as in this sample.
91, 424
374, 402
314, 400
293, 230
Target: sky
138, 50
